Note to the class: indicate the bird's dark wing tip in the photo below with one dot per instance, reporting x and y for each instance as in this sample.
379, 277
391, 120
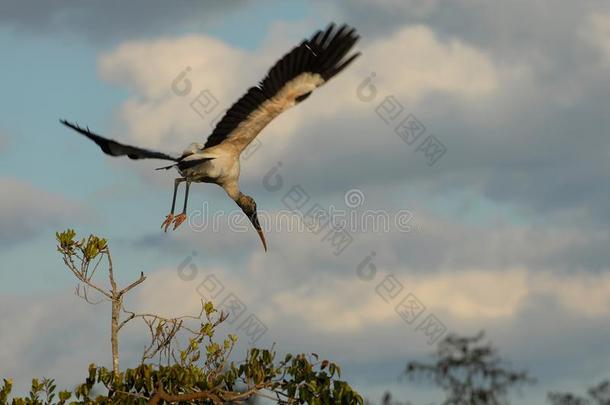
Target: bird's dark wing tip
69, 124
326, 53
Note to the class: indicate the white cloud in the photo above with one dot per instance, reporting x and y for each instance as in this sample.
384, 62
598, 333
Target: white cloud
54, 335
410, 64
476, 295
414, 61
481, 295
25, 211
154, 115
597, 33
493, 274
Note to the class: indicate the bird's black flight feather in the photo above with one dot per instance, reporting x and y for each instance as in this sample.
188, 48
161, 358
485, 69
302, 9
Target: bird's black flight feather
324, 53
114, 148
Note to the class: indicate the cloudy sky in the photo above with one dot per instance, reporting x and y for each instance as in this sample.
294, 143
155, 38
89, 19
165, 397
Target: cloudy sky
475, 130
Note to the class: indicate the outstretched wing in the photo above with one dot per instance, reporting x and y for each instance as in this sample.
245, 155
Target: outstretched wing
290, 81
114, 148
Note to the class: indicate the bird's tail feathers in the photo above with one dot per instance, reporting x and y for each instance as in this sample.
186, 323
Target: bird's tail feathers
166, 167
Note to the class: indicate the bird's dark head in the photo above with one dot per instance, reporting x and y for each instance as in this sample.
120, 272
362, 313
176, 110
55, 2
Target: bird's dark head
248, 206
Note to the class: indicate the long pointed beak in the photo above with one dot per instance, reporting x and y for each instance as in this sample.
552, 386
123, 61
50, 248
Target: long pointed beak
254, 219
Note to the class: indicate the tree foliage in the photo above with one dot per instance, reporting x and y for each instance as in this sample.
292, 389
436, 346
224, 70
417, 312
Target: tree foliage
293, 380
597, 395
469, 371
197, 372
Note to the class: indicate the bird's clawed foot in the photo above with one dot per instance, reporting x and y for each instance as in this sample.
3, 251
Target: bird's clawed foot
168, 221
179, 220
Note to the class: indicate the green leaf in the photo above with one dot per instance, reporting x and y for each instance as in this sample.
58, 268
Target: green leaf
208, 307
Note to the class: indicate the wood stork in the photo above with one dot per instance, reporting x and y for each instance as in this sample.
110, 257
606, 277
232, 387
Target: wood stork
290, 81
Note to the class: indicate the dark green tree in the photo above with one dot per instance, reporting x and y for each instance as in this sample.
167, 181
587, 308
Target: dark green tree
469, 371
597, 395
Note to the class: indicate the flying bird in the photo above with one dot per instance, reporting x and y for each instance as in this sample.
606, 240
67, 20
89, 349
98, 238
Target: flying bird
290, 81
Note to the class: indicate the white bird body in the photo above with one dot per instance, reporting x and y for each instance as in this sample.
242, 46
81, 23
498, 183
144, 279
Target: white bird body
192, 148
223, 169
219, 165
290, 81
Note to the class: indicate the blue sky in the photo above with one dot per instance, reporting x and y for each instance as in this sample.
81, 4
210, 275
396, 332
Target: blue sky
509, 230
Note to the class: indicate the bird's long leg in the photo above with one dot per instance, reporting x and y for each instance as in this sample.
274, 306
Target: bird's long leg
182, 217
170, 217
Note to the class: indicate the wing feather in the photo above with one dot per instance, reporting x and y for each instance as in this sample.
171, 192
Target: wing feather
114, 148
291, 80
